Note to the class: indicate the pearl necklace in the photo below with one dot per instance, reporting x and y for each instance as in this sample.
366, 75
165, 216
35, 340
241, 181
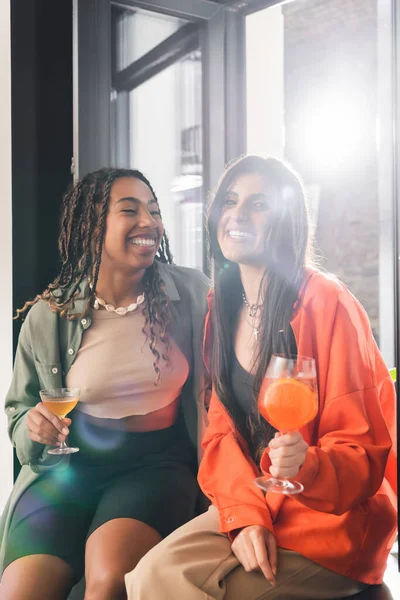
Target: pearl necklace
121, 311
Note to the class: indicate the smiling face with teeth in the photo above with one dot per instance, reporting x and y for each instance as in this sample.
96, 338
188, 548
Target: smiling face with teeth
134, 228
243, 224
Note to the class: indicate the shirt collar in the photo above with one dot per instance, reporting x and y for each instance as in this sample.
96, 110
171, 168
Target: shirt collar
80, 300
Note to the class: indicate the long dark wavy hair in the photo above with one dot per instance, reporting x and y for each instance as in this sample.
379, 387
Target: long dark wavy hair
287, 252
83, 226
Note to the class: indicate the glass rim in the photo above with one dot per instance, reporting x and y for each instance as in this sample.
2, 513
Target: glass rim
60, 391
293, 357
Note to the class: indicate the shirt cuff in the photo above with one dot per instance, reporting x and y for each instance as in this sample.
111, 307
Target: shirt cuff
233, 519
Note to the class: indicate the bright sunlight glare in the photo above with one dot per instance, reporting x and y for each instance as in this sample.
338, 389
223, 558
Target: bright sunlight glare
333, 131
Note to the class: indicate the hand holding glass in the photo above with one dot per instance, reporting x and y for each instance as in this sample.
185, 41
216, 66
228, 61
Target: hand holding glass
288, 401
60, 402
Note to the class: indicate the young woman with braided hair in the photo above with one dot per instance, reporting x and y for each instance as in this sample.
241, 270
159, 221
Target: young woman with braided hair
124, 325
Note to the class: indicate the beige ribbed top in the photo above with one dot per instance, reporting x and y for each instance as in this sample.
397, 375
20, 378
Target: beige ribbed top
114, 368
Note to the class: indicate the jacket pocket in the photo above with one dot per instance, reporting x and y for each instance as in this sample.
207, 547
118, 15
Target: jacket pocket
49, 375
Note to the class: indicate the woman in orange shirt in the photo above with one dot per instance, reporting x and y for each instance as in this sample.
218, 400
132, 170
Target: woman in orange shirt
333, 539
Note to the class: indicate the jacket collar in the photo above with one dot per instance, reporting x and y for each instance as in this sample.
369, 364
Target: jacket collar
170, 286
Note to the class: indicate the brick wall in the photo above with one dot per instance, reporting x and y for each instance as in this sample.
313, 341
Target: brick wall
335, 41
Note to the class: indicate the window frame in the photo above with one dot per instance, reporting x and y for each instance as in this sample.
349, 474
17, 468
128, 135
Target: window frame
222, 44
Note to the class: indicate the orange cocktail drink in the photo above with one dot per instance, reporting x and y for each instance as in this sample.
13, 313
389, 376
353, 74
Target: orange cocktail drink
60, 402
59, 406
287, 403
288, 400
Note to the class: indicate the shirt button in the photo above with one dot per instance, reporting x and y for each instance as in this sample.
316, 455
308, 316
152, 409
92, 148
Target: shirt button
54, 370
84, 321
71, 351
229, 519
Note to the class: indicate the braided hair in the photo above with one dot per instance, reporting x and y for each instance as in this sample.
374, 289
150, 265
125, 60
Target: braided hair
83, 225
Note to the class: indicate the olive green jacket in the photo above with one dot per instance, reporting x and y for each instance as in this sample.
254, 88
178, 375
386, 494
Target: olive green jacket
47, 347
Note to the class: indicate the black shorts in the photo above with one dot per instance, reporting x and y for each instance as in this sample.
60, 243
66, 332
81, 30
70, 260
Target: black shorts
147, 476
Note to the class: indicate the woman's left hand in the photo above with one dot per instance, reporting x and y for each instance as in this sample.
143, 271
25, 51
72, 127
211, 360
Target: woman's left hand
287, 453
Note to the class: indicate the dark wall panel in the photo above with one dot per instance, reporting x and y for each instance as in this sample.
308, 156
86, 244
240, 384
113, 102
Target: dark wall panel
41, 62
55, 128
41, 55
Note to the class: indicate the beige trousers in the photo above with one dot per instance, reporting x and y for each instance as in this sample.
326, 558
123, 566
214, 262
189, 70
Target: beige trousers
196, 563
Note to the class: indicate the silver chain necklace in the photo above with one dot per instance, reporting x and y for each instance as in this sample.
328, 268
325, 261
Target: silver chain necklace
252, 310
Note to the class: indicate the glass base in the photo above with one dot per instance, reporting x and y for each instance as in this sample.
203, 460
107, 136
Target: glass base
67, 450
279, 486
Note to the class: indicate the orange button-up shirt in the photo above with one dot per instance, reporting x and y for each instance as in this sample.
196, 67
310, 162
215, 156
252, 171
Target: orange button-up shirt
345, 520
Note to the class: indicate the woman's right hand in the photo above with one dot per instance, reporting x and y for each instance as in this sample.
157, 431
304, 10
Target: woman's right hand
46, 428
256, 549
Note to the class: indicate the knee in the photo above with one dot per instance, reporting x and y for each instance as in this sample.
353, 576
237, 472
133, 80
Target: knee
105, 583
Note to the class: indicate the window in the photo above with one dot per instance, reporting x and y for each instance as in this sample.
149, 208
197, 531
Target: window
157, 113
319, 78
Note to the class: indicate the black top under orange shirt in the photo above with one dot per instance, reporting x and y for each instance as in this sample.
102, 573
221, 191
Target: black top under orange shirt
242, 381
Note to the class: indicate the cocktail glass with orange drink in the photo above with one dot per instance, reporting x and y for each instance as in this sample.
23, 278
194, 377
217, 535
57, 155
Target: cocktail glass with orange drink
60, 402
288, 400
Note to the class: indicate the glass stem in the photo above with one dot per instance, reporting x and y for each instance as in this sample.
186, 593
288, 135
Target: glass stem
63, 444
